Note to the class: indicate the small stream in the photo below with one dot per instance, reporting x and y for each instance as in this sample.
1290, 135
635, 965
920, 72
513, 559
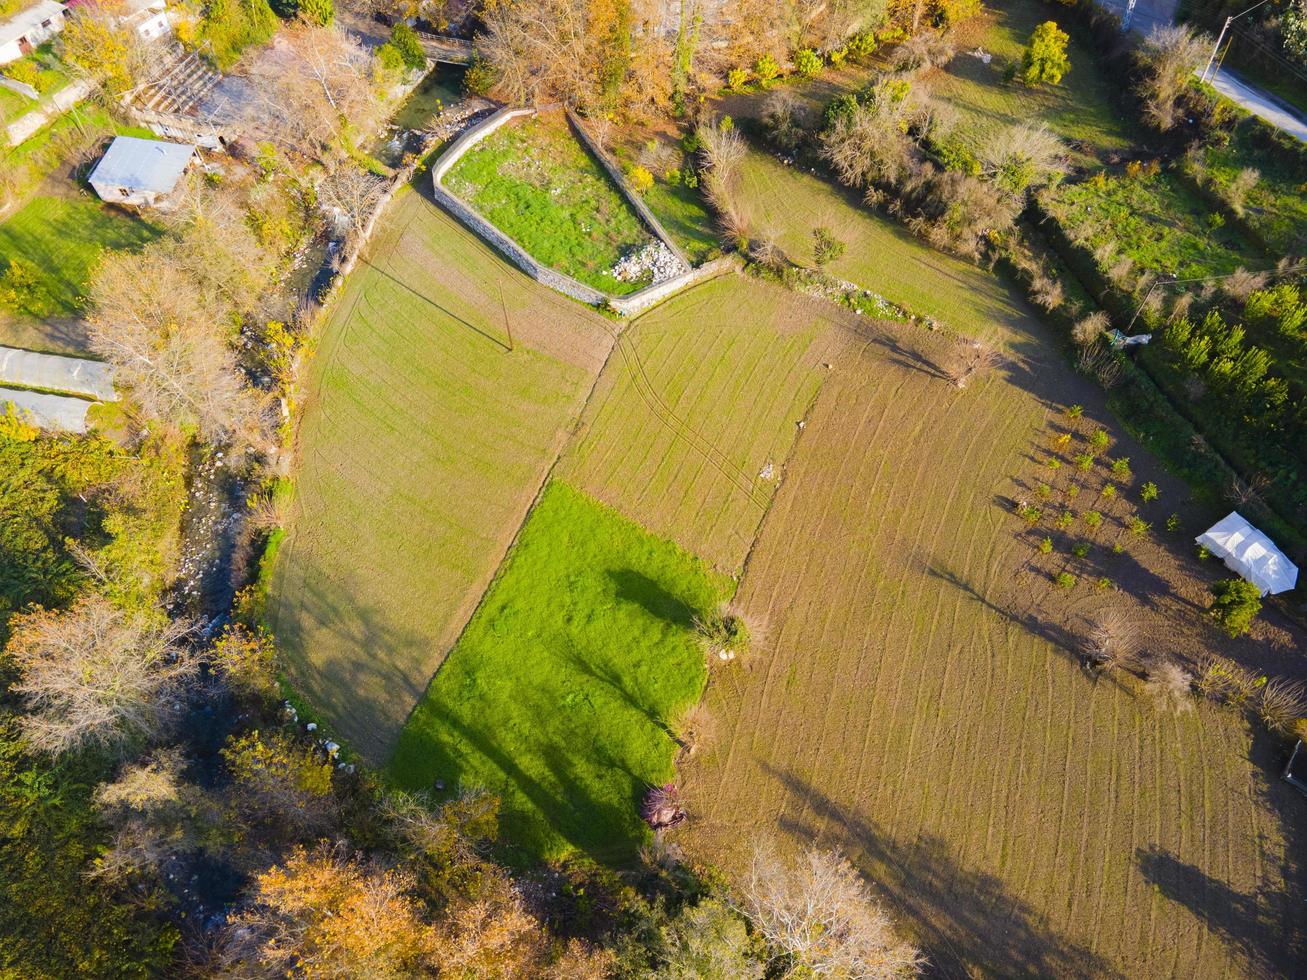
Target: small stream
210, 569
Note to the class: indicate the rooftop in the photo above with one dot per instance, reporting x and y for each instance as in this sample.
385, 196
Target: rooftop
25, 20
143, 165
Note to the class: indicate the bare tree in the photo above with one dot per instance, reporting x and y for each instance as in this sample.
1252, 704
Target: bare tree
1089, 329
867, 143
314, 90
1249, 491
1242, 185
1171, 53
1024, 155
820, 914
1112, 642
1170, 684
1241, 283
969, 359
349, 194
95, 676
723, 151
150, 321
782, 114
542, 51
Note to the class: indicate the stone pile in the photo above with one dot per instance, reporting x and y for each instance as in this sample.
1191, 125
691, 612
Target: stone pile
652, 259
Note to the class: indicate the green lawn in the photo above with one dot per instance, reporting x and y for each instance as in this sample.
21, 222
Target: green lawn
1157, 223
561, 691
1077, 109
686, 218
62, 239
537, 184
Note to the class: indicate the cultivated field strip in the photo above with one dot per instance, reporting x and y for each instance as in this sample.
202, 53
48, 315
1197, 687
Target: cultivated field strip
419, 452
1024, 818
702, 395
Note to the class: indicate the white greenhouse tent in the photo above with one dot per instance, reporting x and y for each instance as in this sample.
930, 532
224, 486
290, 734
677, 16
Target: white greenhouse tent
1250, 553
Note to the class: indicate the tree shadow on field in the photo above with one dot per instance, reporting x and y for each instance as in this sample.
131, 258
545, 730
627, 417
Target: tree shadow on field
652, 597
351, 661
908, 358
1256, 924
615, 683
1059, 636
967, 921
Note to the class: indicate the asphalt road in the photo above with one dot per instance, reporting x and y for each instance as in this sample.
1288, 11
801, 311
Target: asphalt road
1149, 13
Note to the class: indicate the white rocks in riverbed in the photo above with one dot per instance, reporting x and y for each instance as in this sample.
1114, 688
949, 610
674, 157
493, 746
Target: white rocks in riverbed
654, 259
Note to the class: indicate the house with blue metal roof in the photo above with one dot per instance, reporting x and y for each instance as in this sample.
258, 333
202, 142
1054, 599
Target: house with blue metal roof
140, 172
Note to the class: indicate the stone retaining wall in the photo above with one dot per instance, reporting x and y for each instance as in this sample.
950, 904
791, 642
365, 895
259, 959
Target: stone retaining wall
624, 305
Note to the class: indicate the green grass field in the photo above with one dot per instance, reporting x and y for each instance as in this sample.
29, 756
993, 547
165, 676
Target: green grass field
786, 204
421, 445
62, 239
562, 690
1155, 222
686, 218
1078, 109
704, 395
534, 181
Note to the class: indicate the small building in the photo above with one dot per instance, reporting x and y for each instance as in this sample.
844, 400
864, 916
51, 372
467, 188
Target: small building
149, 18
21, 33
140, 172
1250, 554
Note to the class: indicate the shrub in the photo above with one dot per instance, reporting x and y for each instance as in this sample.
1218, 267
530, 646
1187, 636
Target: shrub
640, 179
25, 71
737, 78
390, 60
1081, 550
862, 46
808, 63
1046, 546
766, 69
1043, 491
479, 78
1065, 580
838, 56
320, 12
1173, 523
1281, 704
1148, 492
1029, 514
780, 117
1139, 527
1222, 679
1064, 520
1236, 604
725, 634
406, 41
1093, 519
825, 247
1045, 58
1170, 684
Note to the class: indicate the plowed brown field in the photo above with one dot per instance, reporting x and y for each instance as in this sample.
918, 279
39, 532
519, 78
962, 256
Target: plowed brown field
702, 395
907, 706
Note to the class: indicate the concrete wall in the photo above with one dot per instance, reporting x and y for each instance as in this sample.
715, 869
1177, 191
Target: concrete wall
22, 88
59, 103
470, 217
47, 411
